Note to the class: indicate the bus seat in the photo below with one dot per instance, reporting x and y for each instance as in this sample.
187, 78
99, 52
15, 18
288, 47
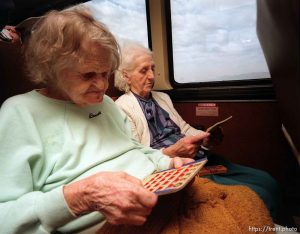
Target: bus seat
12, 75
278, 32
112, 91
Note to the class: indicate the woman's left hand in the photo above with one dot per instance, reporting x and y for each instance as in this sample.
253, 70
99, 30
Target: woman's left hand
215, 138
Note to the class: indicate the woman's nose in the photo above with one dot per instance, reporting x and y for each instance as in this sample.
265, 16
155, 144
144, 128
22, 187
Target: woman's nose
100, 81
151, 74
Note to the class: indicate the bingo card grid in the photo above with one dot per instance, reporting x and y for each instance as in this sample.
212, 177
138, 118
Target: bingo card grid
173, 180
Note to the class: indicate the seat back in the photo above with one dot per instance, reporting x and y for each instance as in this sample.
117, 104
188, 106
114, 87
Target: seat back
13, 77
112, 91
278, 32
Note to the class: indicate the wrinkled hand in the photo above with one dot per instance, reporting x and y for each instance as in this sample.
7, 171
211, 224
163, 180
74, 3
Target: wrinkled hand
187, 146
15, 36
121, 198
215, 138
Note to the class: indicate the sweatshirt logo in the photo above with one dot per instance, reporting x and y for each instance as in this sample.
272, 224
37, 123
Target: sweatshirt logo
92, 115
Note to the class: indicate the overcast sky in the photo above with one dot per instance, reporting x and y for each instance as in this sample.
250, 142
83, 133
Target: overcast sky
126, 19
212, 39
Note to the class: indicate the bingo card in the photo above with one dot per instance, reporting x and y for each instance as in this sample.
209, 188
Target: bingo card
173, 180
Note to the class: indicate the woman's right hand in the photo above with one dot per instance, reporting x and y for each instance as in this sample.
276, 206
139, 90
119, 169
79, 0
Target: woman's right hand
121, 198
186, 147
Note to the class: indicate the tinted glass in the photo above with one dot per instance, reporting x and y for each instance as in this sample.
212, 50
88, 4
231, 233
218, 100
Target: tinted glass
215, 40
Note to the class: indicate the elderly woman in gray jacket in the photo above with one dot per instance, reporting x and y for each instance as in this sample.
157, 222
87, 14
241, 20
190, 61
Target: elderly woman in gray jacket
156, 123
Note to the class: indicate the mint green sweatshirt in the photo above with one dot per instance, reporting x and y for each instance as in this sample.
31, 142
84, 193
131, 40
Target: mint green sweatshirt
48, 143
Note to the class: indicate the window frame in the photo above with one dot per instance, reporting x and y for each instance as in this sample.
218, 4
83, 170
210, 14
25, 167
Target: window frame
148, 24
259, 89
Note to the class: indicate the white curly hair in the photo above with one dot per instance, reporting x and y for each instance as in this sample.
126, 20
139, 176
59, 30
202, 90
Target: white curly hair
130, 51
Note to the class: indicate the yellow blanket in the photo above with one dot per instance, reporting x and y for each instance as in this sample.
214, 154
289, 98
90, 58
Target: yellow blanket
204, 207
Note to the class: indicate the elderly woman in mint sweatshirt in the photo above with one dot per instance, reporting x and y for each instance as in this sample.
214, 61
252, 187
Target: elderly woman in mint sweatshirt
66, 149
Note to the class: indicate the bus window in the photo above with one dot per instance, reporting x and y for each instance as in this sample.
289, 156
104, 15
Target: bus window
215, 41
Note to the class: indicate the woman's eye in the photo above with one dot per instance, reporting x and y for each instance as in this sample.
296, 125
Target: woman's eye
89, 75
144, 71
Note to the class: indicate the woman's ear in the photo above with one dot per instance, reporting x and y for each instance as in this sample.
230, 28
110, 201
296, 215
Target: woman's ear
126, 77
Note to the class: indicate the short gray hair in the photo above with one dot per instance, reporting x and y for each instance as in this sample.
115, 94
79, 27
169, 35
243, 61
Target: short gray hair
130, 51
55, 43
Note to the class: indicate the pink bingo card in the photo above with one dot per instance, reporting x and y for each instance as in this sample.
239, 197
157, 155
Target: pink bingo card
173, 180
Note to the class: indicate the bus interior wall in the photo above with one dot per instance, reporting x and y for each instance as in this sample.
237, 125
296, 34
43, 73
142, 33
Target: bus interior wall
253, 137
